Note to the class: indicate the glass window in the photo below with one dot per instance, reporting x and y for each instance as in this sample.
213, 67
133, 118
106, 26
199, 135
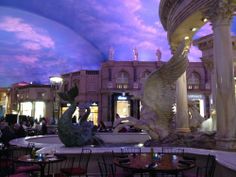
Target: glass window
39, 109
93, 116
122, 80
26, 108
194, 81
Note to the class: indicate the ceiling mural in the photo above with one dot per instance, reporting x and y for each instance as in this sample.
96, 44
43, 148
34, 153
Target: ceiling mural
39, 40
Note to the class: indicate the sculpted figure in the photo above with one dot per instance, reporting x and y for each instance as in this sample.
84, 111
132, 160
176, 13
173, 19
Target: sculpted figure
75, 135
158, 97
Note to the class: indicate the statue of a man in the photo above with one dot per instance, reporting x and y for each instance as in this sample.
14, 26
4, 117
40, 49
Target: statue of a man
158, 54
135, 51
111, 53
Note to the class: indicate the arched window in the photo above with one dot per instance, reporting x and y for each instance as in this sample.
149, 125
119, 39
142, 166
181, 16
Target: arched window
122, 80
194, 81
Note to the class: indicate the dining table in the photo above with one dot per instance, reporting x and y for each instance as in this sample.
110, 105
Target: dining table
156, 164
41, 159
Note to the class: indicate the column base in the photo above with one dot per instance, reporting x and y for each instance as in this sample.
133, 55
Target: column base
226, 143
183, 130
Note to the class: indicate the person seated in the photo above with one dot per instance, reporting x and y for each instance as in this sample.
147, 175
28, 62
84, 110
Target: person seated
19, 130
44, 127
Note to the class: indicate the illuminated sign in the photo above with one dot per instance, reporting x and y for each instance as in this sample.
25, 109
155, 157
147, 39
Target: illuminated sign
122, 98
195, 96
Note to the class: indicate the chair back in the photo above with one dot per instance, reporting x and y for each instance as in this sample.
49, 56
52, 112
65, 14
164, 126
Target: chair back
6, 163
106, 164
84, 158
210, 166
105, 169
172, 150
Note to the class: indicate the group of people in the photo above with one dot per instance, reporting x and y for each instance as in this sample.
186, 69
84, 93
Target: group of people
24, 128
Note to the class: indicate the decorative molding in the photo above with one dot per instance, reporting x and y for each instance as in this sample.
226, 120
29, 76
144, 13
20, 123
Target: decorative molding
208, 63
220, 12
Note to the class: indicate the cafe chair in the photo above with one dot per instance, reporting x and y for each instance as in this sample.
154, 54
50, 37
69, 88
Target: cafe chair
52, 169
78, 165
108, 169
207, 170
20, 167
133, 151
6, 163
172, 150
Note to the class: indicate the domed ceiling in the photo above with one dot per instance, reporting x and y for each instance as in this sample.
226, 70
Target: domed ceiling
41, 39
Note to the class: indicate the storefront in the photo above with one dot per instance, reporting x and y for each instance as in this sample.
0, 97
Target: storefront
34, 109
124, 106
200, 102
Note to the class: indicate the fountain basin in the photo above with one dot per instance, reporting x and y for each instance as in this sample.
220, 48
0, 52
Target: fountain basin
109, 138
225, 159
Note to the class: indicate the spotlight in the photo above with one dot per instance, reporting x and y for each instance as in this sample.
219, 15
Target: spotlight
186, 37
204, 19
193, 29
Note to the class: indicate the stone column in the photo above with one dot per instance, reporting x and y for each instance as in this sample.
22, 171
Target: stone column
182, 118
224, 77
208, 63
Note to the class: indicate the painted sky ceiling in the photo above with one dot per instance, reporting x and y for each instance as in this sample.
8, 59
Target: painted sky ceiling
38, 40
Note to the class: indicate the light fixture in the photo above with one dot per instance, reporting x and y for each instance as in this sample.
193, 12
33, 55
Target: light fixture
204, 19
193, 29
186, 37
56, 79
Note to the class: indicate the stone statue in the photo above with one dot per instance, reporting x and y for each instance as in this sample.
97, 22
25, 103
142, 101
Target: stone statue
71, 134
111, 53
158, 96
135, 51
158, 54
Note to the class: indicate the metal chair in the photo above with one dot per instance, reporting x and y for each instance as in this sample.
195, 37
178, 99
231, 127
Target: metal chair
107, 167
53, 169
134, 151
6, 163
207, 170
20, 167
78, 165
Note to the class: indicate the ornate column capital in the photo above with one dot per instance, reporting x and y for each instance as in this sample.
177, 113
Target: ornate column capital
221, 12
208, 63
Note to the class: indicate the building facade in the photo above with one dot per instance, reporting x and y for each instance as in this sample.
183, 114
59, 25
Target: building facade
111, 89
108, 91
4, 101
33, 100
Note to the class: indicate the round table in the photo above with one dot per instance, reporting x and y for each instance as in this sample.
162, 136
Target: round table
41, 161
165, 163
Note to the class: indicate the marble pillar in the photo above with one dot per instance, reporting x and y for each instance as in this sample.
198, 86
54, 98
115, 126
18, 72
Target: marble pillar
182, 118
209, 64
224, 77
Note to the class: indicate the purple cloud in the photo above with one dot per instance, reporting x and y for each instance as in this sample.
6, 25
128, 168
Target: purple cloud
26, 59
30, 36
